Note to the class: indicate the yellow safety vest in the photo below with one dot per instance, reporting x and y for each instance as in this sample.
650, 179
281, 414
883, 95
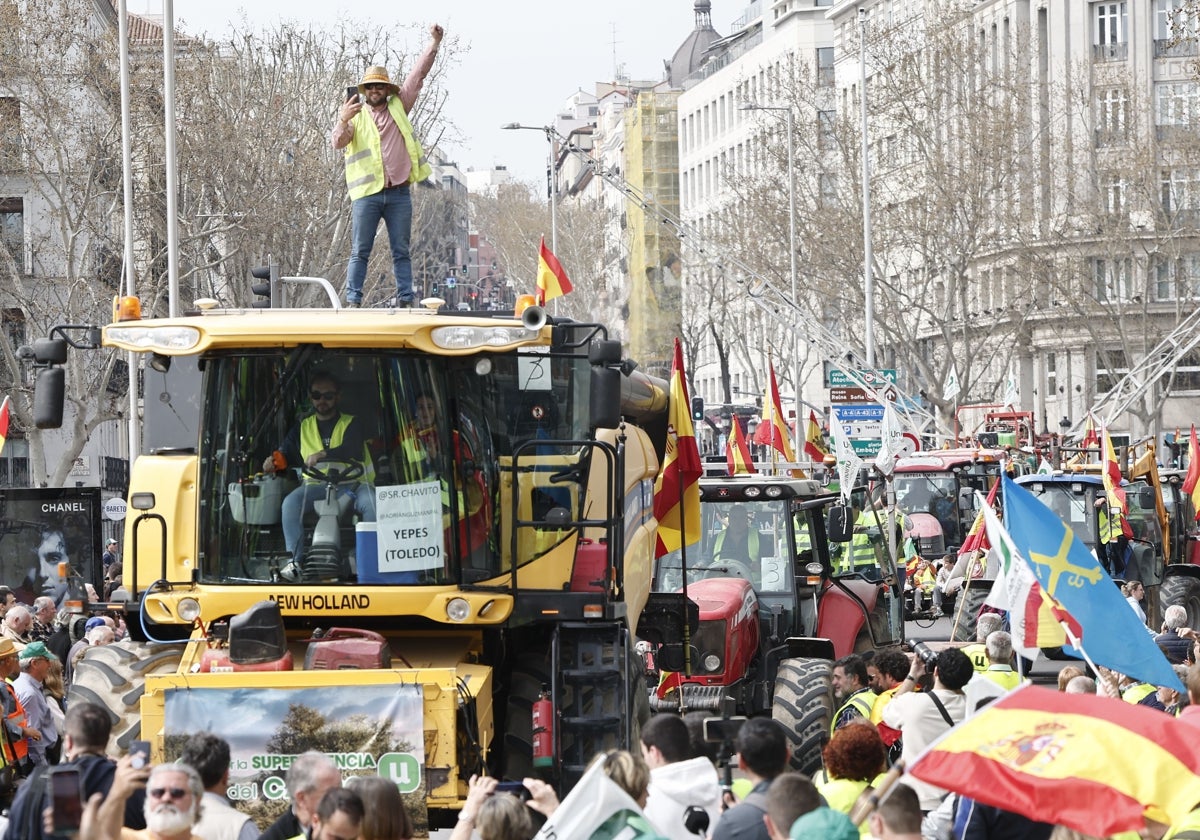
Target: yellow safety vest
1003, 676
364, 158
977, 653
1137, 693
862, 700
1110, 527
310, 442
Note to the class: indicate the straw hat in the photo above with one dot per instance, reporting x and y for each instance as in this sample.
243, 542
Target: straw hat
377, 75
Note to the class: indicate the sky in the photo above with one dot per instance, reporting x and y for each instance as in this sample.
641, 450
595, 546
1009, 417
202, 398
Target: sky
521, 60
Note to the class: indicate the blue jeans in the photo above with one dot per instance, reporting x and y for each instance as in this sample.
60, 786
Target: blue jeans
301, 501
394, 206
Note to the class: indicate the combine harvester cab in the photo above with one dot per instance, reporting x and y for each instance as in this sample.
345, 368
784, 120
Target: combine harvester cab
764, 629
510, 462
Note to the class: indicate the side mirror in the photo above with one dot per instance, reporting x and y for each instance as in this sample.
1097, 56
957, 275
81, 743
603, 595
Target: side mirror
48, 397
605, 398
839, 525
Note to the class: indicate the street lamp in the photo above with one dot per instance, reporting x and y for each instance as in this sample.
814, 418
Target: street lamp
551, 137
791, 167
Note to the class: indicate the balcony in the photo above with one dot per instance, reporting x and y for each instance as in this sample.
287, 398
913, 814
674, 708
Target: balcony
1110, 52
114, 475
1175, 47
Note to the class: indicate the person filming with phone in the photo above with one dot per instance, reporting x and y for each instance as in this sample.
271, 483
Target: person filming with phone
85, 738
383, 157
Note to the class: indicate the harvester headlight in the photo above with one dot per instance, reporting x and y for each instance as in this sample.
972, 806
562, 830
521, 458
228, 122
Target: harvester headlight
138, 336
458, 609
188, 609
774, 491
470, 338
753, 491
712, 663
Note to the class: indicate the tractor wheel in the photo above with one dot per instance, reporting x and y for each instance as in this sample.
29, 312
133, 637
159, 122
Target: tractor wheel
114, 676
967, 612
529, 674
803, 703
1183, 590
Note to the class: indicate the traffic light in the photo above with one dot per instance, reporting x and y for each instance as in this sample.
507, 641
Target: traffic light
433, 288
697, 408
267, 287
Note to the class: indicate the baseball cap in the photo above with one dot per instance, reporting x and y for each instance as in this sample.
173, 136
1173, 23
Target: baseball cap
823, 824
34, 650
111, 541
93, 622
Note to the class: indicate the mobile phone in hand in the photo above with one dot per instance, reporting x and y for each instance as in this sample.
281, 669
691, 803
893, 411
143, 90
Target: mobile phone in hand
66, 801
140, 751
352, 94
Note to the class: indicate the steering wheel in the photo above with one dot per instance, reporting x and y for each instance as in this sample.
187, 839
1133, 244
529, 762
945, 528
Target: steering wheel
333, 471
731, 568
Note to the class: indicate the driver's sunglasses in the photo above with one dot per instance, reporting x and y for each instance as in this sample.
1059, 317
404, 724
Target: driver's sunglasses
374, 86
322, 395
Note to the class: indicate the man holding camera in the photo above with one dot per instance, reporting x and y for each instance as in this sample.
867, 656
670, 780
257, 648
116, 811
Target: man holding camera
924, 716
762, 754
383, 157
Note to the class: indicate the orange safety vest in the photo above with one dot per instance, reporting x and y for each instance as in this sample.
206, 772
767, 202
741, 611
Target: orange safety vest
15, 749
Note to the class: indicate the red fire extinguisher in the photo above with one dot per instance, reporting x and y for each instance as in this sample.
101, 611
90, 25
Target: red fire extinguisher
543, 730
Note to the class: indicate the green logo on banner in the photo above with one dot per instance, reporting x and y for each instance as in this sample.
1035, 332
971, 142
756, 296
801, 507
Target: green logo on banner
401, 768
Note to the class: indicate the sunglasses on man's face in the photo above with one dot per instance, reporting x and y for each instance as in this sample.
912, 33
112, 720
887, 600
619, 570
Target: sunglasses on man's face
322, 395
164, 792
374, 86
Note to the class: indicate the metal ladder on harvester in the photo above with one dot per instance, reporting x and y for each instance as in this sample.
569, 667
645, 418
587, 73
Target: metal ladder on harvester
591, 683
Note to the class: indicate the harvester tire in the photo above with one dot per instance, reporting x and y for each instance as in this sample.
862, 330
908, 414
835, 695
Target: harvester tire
114, 676
803, 703
1183, 590
530, 672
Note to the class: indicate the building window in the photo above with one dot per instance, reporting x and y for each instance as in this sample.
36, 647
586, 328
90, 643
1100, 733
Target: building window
826, 121
1111, 367
1181, 193
1112, 193
1176, 103
1112, 115
1051, 373
12, 229
1186, 376
1175, 28
1109, 30
1177, 279
825, 76
1114, 278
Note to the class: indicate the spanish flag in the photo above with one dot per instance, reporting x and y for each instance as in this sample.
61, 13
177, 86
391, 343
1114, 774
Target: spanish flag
737, 454
1112, 483
1085, 761
677, 488
977, 537
772, 431
1191, 482
814, 443
552, 280
5, 409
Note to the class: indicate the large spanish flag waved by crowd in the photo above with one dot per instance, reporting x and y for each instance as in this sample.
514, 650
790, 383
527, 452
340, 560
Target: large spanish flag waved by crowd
1088, 762
677, 488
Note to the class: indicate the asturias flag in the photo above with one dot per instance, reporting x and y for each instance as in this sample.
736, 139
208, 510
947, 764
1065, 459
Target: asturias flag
737, 453
1071, 575
773, 430
552, 280
1088, 762
677, 488
1191, 482
6, 409
814, 444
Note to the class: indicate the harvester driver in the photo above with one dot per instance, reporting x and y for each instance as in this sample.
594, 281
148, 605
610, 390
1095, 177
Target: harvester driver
325, 435
738, 546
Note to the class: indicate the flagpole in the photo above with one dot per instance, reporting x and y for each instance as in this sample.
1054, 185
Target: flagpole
1075, 643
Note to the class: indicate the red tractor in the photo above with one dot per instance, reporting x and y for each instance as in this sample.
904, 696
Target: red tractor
768, 608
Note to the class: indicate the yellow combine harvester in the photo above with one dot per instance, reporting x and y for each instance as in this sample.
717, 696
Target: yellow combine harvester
406, 597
